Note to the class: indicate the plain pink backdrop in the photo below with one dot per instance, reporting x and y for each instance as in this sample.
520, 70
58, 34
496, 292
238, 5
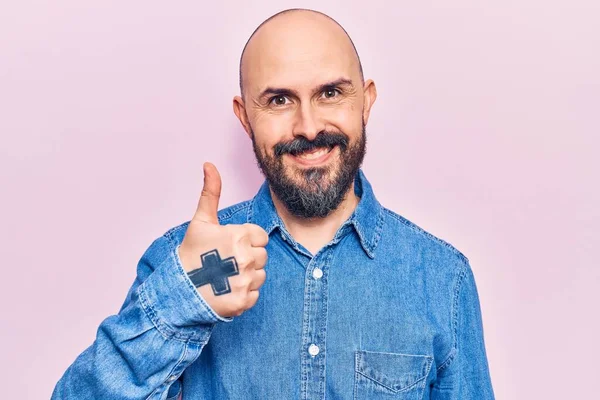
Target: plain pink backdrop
485, 133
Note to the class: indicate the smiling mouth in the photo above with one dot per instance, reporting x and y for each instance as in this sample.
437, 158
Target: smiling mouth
314, 156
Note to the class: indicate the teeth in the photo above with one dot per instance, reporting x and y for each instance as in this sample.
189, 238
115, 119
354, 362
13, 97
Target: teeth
314, 154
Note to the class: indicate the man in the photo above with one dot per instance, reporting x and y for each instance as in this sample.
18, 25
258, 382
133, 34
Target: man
359, 302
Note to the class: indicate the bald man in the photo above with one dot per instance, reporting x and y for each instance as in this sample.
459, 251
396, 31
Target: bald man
310, 290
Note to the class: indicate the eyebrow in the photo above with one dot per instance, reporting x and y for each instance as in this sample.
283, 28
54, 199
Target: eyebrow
318, 89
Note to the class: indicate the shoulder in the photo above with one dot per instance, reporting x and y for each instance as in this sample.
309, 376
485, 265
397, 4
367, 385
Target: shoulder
411, 242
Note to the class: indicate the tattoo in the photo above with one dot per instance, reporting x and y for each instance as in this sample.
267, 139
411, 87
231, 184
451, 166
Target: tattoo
214, 271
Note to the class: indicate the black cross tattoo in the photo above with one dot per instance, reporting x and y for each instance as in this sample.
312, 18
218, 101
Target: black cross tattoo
214, 271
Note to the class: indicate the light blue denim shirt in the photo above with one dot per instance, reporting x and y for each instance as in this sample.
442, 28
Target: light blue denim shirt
383, 311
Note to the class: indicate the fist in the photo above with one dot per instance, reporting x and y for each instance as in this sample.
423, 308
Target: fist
225, 263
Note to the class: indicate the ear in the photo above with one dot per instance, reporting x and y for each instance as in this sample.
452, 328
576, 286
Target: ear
240, 112
370, 94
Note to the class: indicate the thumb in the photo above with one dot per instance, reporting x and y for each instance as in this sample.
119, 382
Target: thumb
208, 205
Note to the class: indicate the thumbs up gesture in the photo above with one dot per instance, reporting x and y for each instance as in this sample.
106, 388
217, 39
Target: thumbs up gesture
225, 263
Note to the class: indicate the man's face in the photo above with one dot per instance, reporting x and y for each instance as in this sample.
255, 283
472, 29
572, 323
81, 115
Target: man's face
304, 102
310, 191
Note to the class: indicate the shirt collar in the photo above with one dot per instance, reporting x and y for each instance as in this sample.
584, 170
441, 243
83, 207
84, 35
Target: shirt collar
367, 218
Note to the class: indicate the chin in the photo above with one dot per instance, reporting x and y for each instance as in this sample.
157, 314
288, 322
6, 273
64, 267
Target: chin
322, 174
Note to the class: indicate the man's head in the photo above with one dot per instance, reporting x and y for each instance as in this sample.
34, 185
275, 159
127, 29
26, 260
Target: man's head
304, 104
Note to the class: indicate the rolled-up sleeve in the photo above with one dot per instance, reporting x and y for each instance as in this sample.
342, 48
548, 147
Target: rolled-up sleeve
160, 330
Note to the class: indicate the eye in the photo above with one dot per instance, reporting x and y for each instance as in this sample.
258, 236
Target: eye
330, 93
278, 100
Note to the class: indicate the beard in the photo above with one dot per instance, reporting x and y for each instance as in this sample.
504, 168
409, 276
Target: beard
317, 191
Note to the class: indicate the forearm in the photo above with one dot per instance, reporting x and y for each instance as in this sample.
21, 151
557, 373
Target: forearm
160, 330
127, 362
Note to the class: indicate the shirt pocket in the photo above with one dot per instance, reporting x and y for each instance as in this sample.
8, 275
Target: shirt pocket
390, 375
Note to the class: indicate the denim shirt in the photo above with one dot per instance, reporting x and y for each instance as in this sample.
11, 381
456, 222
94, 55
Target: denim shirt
383, 311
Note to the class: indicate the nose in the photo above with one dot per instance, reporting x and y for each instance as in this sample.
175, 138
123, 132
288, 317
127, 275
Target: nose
307, 123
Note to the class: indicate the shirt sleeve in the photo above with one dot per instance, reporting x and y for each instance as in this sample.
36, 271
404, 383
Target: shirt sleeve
159, 331
465, 374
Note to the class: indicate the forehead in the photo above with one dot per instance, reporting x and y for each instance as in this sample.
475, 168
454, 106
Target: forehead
298, 52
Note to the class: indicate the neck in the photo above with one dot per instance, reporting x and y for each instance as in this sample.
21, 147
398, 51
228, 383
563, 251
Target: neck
314, 233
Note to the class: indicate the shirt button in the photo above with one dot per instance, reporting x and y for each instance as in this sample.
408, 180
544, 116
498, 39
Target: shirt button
317, 273
172, 378
313, 350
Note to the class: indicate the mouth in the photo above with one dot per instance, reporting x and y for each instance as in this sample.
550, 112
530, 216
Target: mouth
313, 157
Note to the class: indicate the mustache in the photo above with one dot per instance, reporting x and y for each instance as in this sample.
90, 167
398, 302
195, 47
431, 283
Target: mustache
302, 144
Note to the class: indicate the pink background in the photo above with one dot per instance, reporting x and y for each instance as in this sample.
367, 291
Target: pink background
485, 133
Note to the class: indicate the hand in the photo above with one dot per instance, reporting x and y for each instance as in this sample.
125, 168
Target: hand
211, 253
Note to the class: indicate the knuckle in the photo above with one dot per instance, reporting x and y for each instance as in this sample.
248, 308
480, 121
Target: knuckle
243, 282
245, 228
250, 302
263, 253
254, 299
243, 260
240, 238
262, 276
242, 304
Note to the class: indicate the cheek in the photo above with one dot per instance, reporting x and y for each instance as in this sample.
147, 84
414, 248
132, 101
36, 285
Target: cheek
347, 120
270, 130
